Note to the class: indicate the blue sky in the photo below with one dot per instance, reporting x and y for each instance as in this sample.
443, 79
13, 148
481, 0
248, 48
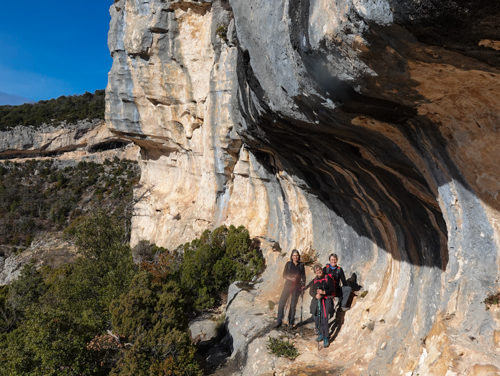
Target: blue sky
53, 48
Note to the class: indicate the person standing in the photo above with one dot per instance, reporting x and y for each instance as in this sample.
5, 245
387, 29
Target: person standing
321, 290
343, 291
294, 274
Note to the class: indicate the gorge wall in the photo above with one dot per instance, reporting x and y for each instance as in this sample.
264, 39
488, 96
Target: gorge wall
364, 127
65, 145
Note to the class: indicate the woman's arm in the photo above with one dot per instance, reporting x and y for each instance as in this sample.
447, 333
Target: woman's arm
285, 270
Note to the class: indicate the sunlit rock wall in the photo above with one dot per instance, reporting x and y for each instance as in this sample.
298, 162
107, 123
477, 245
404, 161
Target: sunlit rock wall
368, 128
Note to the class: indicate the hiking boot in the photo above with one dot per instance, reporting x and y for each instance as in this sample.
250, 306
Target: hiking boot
278, 325
325, 342
320, 338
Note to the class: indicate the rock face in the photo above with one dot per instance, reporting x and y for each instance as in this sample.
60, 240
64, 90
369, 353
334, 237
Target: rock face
367, 128
66, 141
46, 250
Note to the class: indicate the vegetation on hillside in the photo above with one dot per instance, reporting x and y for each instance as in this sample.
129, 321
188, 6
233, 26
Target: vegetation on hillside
282, 347
68, 109
103, 315
49, 332
168, 290
38, 196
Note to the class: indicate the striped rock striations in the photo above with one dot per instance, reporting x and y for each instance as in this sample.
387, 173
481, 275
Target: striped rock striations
84, 140
364, 127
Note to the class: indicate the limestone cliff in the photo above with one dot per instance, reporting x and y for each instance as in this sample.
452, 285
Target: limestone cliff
86, 139
364, 127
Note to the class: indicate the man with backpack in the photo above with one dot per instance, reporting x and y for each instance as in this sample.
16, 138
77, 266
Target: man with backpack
342, 291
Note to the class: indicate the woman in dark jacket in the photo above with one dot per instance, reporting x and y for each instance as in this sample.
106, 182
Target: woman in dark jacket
295, 279
322, 290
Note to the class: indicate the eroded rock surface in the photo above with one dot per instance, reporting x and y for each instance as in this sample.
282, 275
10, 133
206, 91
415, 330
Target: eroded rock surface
368, 128
45, 250
86, 139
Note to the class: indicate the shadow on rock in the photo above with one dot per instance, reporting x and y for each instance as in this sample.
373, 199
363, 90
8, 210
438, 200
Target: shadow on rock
337, 323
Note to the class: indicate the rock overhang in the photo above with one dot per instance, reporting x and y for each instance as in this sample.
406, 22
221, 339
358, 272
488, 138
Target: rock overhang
341, 138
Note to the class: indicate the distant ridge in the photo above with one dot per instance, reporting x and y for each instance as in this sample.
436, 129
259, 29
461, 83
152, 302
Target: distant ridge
13, 100
67, 109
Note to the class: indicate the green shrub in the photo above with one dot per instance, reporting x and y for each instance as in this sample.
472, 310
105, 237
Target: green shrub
282, 348
215, 260
151, 317
172, 354
64, 310
492, 299
101, 315
221, 32
25, 291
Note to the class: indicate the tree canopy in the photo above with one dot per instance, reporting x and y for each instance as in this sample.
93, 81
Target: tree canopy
67, 109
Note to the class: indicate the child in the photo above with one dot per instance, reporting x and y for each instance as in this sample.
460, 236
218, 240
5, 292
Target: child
322, 289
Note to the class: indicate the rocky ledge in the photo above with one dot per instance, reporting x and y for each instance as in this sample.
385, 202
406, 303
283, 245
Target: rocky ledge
75, 140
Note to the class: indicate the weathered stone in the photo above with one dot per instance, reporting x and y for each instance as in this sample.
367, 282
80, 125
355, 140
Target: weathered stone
204, 329
46, 249
68, 141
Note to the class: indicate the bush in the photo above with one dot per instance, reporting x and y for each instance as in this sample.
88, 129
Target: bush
221, 32
215, 260
171, 286
492, 299
152, 318
19, 295
172, 354
282, 348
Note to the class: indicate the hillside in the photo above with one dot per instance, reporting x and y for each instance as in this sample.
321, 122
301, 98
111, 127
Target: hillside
69, 109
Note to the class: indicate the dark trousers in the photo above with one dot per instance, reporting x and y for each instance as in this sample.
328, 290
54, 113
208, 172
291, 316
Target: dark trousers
322, 315
289, 289
344, 296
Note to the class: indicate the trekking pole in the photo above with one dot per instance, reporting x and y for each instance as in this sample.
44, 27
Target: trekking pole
319, 321
301, 309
